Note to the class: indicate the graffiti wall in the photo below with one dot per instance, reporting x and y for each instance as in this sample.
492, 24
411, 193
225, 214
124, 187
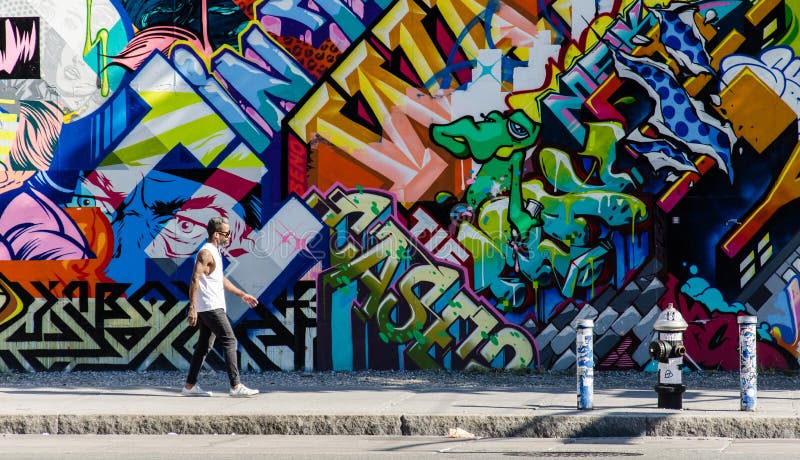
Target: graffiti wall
411, 184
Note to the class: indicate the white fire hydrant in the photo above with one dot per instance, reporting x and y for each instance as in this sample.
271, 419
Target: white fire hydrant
668, 350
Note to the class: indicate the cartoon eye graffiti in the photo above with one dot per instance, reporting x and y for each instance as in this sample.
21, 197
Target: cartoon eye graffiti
82, 201
186, 228
517, 131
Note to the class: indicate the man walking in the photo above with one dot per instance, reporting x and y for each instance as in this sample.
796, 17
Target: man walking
207, 304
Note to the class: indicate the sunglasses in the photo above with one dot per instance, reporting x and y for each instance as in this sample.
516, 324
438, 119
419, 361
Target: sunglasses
225, 234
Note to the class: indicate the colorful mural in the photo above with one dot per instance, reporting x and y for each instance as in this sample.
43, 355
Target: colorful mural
411, 184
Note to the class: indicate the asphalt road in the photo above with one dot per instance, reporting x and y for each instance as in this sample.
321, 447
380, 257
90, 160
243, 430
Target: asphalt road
178, 447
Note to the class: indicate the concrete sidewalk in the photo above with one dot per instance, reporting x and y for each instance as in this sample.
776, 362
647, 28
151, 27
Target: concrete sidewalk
432, 411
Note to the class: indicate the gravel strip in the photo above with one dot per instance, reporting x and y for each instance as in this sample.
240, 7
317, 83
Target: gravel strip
417, 380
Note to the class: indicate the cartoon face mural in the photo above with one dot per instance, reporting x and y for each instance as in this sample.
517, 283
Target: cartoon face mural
496, 135
498, 142
410, 185
72, 41
165, 216
32, 226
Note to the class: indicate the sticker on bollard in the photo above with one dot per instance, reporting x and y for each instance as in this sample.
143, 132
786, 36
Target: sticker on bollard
748, 366
584, 351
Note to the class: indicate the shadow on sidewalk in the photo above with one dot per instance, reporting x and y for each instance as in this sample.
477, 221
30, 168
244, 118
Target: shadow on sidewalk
149, 393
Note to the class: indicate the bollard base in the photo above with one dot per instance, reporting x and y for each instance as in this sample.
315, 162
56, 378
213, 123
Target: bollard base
670, 396
747, 403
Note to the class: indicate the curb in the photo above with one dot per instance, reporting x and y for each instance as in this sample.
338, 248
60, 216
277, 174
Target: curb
544, 426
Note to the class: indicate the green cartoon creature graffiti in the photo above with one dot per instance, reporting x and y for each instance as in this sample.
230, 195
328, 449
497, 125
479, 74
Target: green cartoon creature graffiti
498, 143
568, 241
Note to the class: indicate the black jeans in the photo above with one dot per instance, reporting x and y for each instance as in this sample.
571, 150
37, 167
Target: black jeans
214, 323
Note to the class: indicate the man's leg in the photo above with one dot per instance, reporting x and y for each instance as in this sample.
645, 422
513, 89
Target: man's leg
221, 327
201, 349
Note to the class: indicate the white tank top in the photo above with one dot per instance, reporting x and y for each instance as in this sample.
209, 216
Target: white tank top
211, 290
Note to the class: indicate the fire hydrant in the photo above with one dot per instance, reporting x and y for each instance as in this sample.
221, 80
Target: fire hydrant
668, 350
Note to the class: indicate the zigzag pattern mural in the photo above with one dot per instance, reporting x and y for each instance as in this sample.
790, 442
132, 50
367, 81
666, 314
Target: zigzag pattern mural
143, 331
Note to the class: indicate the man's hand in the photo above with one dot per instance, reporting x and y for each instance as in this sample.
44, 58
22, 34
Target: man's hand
191, 318
250, 300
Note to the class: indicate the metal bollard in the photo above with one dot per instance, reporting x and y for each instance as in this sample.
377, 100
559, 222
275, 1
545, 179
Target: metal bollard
584, 351
748, 368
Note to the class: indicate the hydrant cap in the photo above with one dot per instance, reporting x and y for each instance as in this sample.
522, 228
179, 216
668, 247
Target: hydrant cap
670, 320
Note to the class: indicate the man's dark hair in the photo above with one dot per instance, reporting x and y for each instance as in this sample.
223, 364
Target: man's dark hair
215, 224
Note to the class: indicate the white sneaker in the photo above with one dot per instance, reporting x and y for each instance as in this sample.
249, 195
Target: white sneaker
242, 391
195, 391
